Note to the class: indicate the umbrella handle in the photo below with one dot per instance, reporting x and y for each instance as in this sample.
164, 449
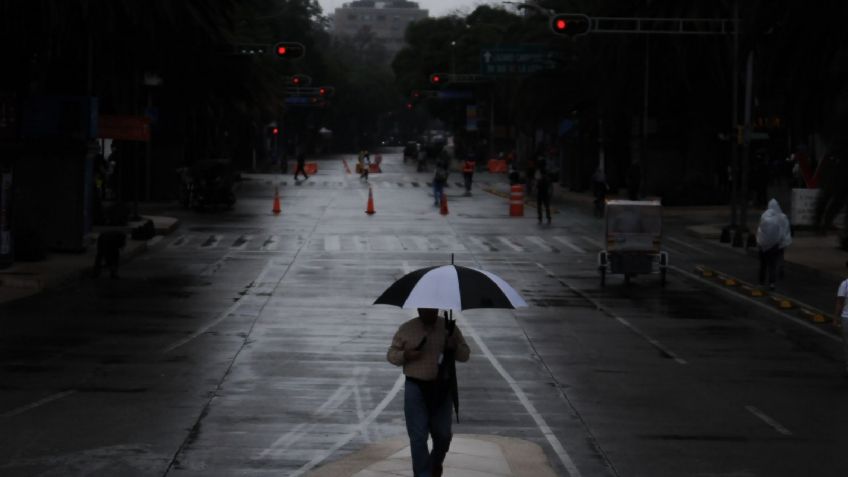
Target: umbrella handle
450, 323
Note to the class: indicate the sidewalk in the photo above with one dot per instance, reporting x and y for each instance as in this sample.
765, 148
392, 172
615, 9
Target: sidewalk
24, 279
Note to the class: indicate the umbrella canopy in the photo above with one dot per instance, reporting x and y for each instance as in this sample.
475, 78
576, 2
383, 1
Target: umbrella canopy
451, 287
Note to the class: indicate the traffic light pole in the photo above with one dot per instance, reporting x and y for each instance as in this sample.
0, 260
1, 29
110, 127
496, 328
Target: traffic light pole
559, 24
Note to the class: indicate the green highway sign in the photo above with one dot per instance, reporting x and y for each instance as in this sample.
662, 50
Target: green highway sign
515, 60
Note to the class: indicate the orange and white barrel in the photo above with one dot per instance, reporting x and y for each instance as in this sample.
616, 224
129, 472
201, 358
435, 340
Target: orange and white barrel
516, 201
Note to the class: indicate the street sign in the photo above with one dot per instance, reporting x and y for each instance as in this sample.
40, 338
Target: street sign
454, 94
515, 60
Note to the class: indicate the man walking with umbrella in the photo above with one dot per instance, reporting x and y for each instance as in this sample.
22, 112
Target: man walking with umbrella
426, 347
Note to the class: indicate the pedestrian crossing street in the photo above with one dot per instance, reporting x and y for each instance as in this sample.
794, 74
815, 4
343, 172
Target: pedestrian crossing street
257, 242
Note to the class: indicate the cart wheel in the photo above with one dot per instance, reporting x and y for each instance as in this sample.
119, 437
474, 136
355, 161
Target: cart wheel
662, 276
603, 276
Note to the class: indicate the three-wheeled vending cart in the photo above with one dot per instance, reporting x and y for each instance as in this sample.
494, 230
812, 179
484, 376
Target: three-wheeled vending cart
633, 240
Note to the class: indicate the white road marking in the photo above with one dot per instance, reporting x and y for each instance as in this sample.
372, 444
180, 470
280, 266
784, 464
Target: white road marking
358, 244
621, 320
358, 428
421, 243
479, 243
509, 244
20, 410
647, 338
211, 242
221, 317
592, 241
552, 439
768, 420
179, 241
244, 239
569, 244
540, 242
332, 243
271, 243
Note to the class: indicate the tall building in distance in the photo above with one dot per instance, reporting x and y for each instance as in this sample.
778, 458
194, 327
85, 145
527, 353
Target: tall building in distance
387, 20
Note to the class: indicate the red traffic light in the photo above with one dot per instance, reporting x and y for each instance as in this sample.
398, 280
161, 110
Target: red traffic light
560, 24
275, 131
439, 78
300, 80
571, 24
289, 50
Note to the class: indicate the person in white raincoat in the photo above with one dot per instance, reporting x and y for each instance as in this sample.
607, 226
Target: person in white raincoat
773, 236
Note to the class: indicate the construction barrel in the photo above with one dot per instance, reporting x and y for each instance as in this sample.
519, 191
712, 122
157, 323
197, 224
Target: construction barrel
516, 201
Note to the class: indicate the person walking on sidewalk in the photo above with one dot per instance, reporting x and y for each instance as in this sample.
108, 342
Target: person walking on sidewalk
419, 345
543, 191
773, 236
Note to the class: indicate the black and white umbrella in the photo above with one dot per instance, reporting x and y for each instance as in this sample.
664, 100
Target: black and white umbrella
451, 287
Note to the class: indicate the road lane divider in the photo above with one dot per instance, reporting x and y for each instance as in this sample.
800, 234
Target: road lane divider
792, 308
603, 309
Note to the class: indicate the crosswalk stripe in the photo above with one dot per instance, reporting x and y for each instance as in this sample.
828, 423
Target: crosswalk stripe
179, 242
421, 243
271, 243
241, 242
592, 241
478, 242
212, 241
511, 245
332, 243
568, 244
541, 243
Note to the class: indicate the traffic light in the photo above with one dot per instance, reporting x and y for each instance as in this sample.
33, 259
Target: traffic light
438, 78
289, 50
326, 91
571, 24
300, 80
275, 131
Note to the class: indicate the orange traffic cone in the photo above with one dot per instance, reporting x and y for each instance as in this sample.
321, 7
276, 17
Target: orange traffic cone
276, 209
370, 209
444, 204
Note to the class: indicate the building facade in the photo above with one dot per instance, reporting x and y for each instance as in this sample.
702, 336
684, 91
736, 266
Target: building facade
387, 20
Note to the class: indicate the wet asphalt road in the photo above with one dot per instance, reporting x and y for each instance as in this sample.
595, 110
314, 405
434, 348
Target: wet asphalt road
245, 344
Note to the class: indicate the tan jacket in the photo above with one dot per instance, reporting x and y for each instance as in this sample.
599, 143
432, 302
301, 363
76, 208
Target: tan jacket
410, 334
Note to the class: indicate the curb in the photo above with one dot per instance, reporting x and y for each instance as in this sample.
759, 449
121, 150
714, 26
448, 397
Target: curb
783, 303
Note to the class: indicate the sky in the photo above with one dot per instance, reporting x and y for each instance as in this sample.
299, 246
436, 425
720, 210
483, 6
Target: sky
436, 8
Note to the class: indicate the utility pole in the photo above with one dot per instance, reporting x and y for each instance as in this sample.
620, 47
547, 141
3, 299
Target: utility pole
734, 124
746, 151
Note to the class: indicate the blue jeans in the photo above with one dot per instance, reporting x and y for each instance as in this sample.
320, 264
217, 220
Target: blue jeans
421, 421
438, 187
